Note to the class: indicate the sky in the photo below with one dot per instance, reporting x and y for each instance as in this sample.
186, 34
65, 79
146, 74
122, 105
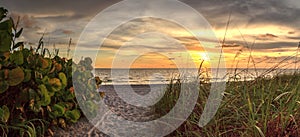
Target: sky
269, 31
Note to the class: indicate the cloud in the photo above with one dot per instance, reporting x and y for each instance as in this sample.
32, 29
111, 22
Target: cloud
248, 12
294, 38
67, 32
291, 32
274, 24
267, 36
86, 8
231, 45
272, 45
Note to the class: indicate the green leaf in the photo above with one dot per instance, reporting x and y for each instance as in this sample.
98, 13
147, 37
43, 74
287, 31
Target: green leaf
33, 95
17, 57
58, 110
34, 103
5, 55
68, 95
90, 107
45, 98
5, 41
44, 63
18, 34
45, 80
4, 113
6, 25
3, 13
27, 76
36, 107
15, 76
73, 115
18, 45
26, 52
87, 74
88, 61
3, 86
63, 79
55, 84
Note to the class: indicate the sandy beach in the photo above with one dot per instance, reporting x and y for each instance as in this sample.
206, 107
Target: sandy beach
118, 107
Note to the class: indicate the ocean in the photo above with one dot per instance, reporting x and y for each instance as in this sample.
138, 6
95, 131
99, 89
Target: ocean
149, 76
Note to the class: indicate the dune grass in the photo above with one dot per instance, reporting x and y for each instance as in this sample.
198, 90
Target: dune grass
261, 107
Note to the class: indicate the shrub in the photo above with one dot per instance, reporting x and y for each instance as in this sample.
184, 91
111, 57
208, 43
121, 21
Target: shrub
35, 91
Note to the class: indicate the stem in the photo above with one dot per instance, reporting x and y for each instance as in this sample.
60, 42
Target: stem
223, 42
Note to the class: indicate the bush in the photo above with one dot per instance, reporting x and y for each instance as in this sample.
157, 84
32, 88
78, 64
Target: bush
35, 91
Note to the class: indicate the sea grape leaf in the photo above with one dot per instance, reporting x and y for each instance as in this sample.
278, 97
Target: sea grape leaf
69, 95
3, 13
90, 107
4, 113
63, 79
17, 57
45, 98
45, 80
2, 75
6, 25
55, 84
26, 53
88, 61
58, 110
5, 41
35, 106
58, 67
33, 95
73, 115
5, 55
34, 98
87, 75
27, 76
15, 76
23, 98
3, 86
44, 63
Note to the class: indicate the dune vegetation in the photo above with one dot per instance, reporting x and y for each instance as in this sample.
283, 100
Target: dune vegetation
262, 107
265, 106
36, 88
